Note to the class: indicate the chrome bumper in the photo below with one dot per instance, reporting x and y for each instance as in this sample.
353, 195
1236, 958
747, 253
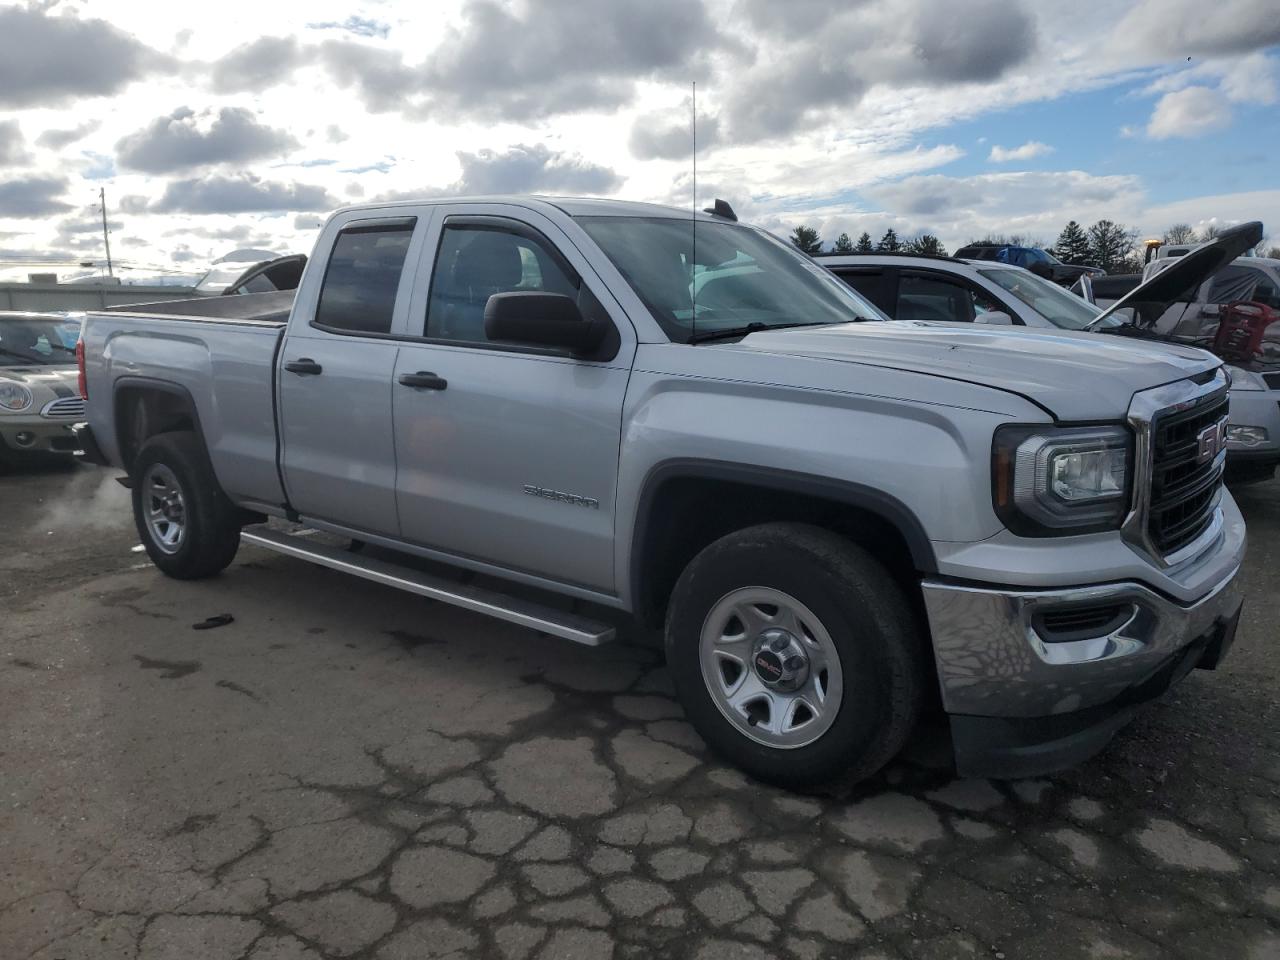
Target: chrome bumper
994, 660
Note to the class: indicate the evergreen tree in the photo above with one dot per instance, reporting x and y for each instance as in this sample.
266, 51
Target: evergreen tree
864, 243
843, 244
1072, 245
926, 245
1110, 245
807, 239
889, 242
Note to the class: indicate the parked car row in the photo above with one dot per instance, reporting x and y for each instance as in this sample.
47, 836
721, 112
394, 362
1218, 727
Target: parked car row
835, 517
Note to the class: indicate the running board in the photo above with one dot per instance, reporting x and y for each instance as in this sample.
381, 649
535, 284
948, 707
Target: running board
525, 613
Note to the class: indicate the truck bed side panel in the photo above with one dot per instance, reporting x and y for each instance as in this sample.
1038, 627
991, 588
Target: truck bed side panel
226, 368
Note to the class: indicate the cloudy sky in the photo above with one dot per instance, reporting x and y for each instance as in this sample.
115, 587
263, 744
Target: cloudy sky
236, 124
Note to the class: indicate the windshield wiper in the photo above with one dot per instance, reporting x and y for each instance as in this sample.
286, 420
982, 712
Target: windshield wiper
754, 327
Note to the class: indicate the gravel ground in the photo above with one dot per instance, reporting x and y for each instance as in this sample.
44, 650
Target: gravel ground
346, 771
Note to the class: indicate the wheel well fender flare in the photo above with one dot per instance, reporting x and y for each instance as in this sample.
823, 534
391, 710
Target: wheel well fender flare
849, 493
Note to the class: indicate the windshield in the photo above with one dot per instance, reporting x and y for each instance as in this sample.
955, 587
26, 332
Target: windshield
739, 277
37, 341
1036, 255
1059, 307
221, 276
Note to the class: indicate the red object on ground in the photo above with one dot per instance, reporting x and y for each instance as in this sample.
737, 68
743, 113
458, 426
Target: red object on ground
1240, 329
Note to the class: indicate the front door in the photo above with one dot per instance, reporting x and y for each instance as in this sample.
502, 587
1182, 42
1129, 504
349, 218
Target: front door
337, 443
508, 455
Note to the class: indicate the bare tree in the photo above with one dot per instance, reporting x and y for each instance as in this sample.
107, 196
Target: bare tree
1180, 233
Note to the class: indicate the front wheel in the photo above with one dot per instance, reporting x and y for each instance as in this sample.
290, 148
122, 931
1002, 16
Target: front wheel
188, 527
795, 655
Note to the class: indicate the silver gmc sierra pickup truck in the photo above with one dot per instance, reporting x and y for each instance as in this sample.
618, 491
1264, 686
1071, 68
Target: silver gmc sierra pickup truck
839, 520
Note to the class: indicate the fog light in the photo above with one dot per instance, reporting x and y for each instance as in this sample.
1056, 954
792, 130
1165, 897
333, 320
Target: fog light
1245, 435
25, 438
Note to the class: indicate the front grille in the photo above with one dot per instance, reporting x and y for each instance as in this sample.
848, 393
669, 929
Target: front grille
67, 408
1184, 491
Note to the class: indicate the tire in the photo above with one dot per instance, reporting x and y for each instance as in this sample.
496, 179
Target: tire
206, 523
850, 624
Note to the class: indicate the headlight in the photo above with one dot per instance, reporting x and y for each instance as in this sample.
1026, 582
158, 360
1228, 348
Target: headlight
1053, 481
14, 397
1246, 436
1243, 379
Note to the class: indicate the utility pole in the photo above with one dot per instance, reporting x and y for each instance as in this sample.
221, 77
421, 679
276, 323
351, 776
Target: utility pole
102, 196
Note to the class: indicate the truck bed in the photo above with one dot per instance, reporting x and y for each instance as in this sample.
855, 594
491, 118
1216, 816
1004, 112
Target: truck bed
217, 351
271, 309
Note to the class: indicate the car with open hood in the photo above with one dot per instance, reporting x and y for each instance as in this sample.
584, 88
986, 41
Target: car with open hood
1176, 304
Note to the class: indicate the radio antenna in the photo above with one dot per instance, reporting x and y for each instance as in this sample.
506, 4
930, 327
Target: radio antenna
693, 254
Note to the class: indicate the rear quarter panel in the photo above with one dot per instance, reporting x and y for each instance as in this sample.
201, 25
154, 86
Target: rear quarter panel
226, 369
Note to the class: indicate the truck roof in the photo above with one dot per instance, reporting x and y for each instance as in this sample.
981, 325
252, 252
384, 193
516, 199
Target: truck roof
573, 206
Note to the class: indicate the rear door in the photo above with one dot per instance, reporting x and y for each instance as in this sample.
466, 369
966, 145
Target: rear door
335, 377
876, 283
508, 455
935, 295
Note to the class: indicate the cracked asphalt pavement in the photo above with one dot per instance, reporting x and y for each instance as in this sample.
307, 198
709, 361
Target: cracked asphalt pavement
344, 771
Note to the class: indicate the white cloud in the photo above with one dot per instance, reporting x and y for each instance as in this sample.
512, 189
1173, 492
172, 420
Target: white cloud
1028, 151
1189, 112
808, 111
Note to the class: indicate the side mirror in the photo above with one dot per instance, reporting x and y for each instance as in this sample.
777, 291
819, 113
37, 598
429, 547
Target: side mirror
996, 318
541, 319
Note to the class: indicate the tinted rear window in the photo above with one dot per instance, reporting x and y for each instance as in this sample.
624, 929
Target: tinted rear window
360, 282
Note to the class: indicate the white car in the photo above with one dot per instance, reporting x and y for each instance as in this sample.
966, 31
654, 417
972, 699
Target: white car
948, 289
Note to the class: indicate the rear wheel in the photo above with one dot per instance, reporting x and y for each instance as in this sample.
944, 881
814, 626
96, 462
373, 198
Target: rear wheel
188, 526
795, 655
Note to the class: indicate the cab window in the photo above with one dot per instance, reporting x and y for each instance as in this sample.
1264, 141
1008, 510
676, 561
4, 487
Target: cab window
473, 264
360, 283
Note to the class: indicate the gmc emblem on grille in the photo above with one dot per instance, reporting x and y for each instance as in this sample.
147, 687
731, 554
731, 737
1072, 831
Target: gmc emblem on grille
1210, 440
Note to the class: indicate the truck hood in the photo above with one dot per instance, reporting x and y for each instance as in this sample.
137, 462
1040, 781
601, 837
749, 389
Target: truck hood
1076, 376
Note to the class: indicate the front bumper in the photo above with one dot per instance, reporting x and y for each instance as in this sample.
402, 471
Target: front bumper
1027, 696
37, 436
1257, 460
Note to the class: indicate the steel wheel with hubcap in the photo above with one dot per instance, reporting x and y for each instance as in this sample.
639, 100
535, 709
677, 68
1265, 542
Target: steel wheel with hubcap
166, 509
186, 523
771, 667
795, 654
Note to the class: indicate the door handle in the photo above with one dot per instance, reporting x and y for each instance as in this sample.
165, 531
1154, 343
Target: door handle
303, 366
423, 380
